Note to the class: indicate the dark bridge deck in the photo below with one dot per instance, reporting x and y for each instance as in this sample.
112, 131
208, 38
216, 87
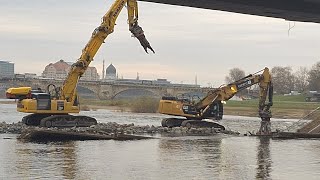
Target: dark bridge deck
293, 10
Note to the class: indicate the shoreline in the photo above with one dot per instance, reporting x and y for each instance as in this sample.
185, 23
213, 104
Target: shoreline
276, 113
282, 113
235, 111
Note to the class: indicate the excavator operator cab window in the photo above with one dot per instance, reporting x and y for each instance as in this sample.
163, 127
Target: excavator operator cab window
171, 98
195, 99
43, 100
215, 111
184, 98
76, 101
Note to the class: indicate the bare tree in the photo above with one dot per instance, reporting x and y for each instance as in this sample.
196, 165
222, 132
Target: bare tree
283, 79
301, 79
234, 75
314, 77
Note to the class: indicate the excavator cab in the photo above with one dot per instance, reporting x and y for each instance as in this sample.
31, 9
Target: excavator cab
215, 111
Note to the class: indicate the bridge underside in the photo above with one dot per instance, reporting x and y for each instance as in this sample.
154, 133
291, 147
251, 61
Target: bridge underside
293, 10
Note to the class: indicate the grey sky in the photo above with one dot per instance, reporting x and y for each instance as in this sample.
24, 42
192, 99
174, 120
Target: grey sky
187, 41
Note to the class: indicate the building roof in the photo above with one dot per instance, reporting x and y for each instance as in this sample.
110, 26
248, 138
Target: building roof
59, 66
92, 68
111, 69
1, 61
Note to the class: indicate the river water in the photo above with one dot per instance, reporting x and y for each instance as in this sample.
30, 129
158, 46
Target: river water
188, 157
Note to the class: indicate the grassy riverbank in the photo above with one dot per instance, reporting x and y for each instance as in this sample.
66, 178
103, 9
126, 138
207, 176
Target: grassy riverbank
283, 107
289, 107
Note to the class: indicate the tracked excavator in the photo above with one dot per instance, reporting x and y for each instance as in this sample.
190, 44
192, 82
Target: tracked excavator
196, 113
52, 108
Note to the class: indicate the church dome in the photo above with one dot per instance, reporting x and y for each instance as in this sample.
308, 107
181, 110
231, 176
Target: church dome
111, 69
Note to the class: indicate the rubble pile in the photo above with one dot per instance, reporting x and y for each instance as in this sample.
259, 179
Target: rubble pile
112, 127
115, 128
14, 128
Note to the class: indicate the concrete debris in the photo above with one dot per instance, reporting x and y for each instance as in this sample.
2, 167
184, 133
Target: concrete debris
312, 127
115, 128
14, 128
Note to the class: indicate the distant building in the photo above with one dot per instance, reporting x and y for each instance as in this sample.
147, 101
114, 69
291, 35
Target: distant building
60, 70
30, 75
111, 72
19, 76
6, 69
111, 76
91, 74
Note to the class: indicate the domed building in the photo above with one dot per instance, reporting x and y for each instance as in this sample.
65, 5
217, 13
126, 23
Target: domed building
111, 72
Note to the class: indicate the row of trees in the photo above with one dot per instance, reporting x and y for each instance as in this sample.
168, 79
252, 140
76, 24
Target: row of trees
285, 79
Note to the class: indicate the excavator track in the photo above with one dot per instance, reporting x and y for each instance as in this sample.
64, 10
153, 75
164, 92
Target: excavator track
171, 122
67, 121
61, 120
201, 124
34, 119
176, 122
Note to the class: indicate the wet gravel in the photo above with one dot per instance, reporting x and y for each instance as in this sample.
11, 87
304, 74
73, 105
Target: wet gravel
14, 128
113, 127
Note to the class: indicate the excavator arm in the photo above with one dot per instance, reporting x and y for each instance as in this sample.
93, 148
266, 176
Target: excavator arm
224, 93
98, 37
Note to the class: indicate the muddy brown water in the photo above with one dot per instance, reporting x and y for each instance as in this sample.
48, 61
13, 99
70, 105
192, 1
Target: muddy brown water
188, 157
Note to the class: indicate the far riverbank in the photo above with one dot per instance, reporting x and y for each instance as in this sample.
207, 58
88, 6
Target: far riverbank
283, 108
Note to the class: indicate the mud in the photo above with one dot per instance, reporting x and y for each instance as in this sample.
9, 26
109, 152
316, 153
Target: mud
41, 134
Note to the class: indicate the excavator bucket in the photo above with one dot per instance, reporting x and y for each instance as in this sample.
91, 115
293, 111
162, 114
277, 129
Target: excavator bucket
137, 32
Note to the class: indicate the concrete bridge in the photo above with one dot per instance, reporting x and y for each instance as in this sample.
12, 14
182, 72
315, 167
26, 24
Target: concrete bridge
106, 90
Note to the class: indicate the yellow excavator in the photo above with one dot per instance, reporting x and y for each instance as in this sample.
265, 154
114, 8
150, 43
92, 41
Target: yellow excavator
211, 106
51, 109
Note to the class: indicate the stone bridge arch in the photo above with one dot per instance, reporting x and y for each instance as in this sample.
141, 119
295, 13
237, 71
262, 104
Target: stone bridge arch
137, 92
111, 91
86, 92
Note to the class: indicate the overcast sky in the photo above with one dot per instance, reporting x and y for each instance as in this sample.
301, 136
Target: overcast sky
187, 41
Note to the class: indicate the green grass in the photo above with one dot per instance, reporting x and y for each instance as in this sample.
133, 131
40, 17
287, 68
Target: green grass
145, 105
279, 101
296, 98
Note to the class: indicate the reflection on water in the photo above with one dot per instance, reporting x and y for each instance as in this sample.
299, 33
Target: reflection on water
189, 157
45, 160
263, 159
69, 160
